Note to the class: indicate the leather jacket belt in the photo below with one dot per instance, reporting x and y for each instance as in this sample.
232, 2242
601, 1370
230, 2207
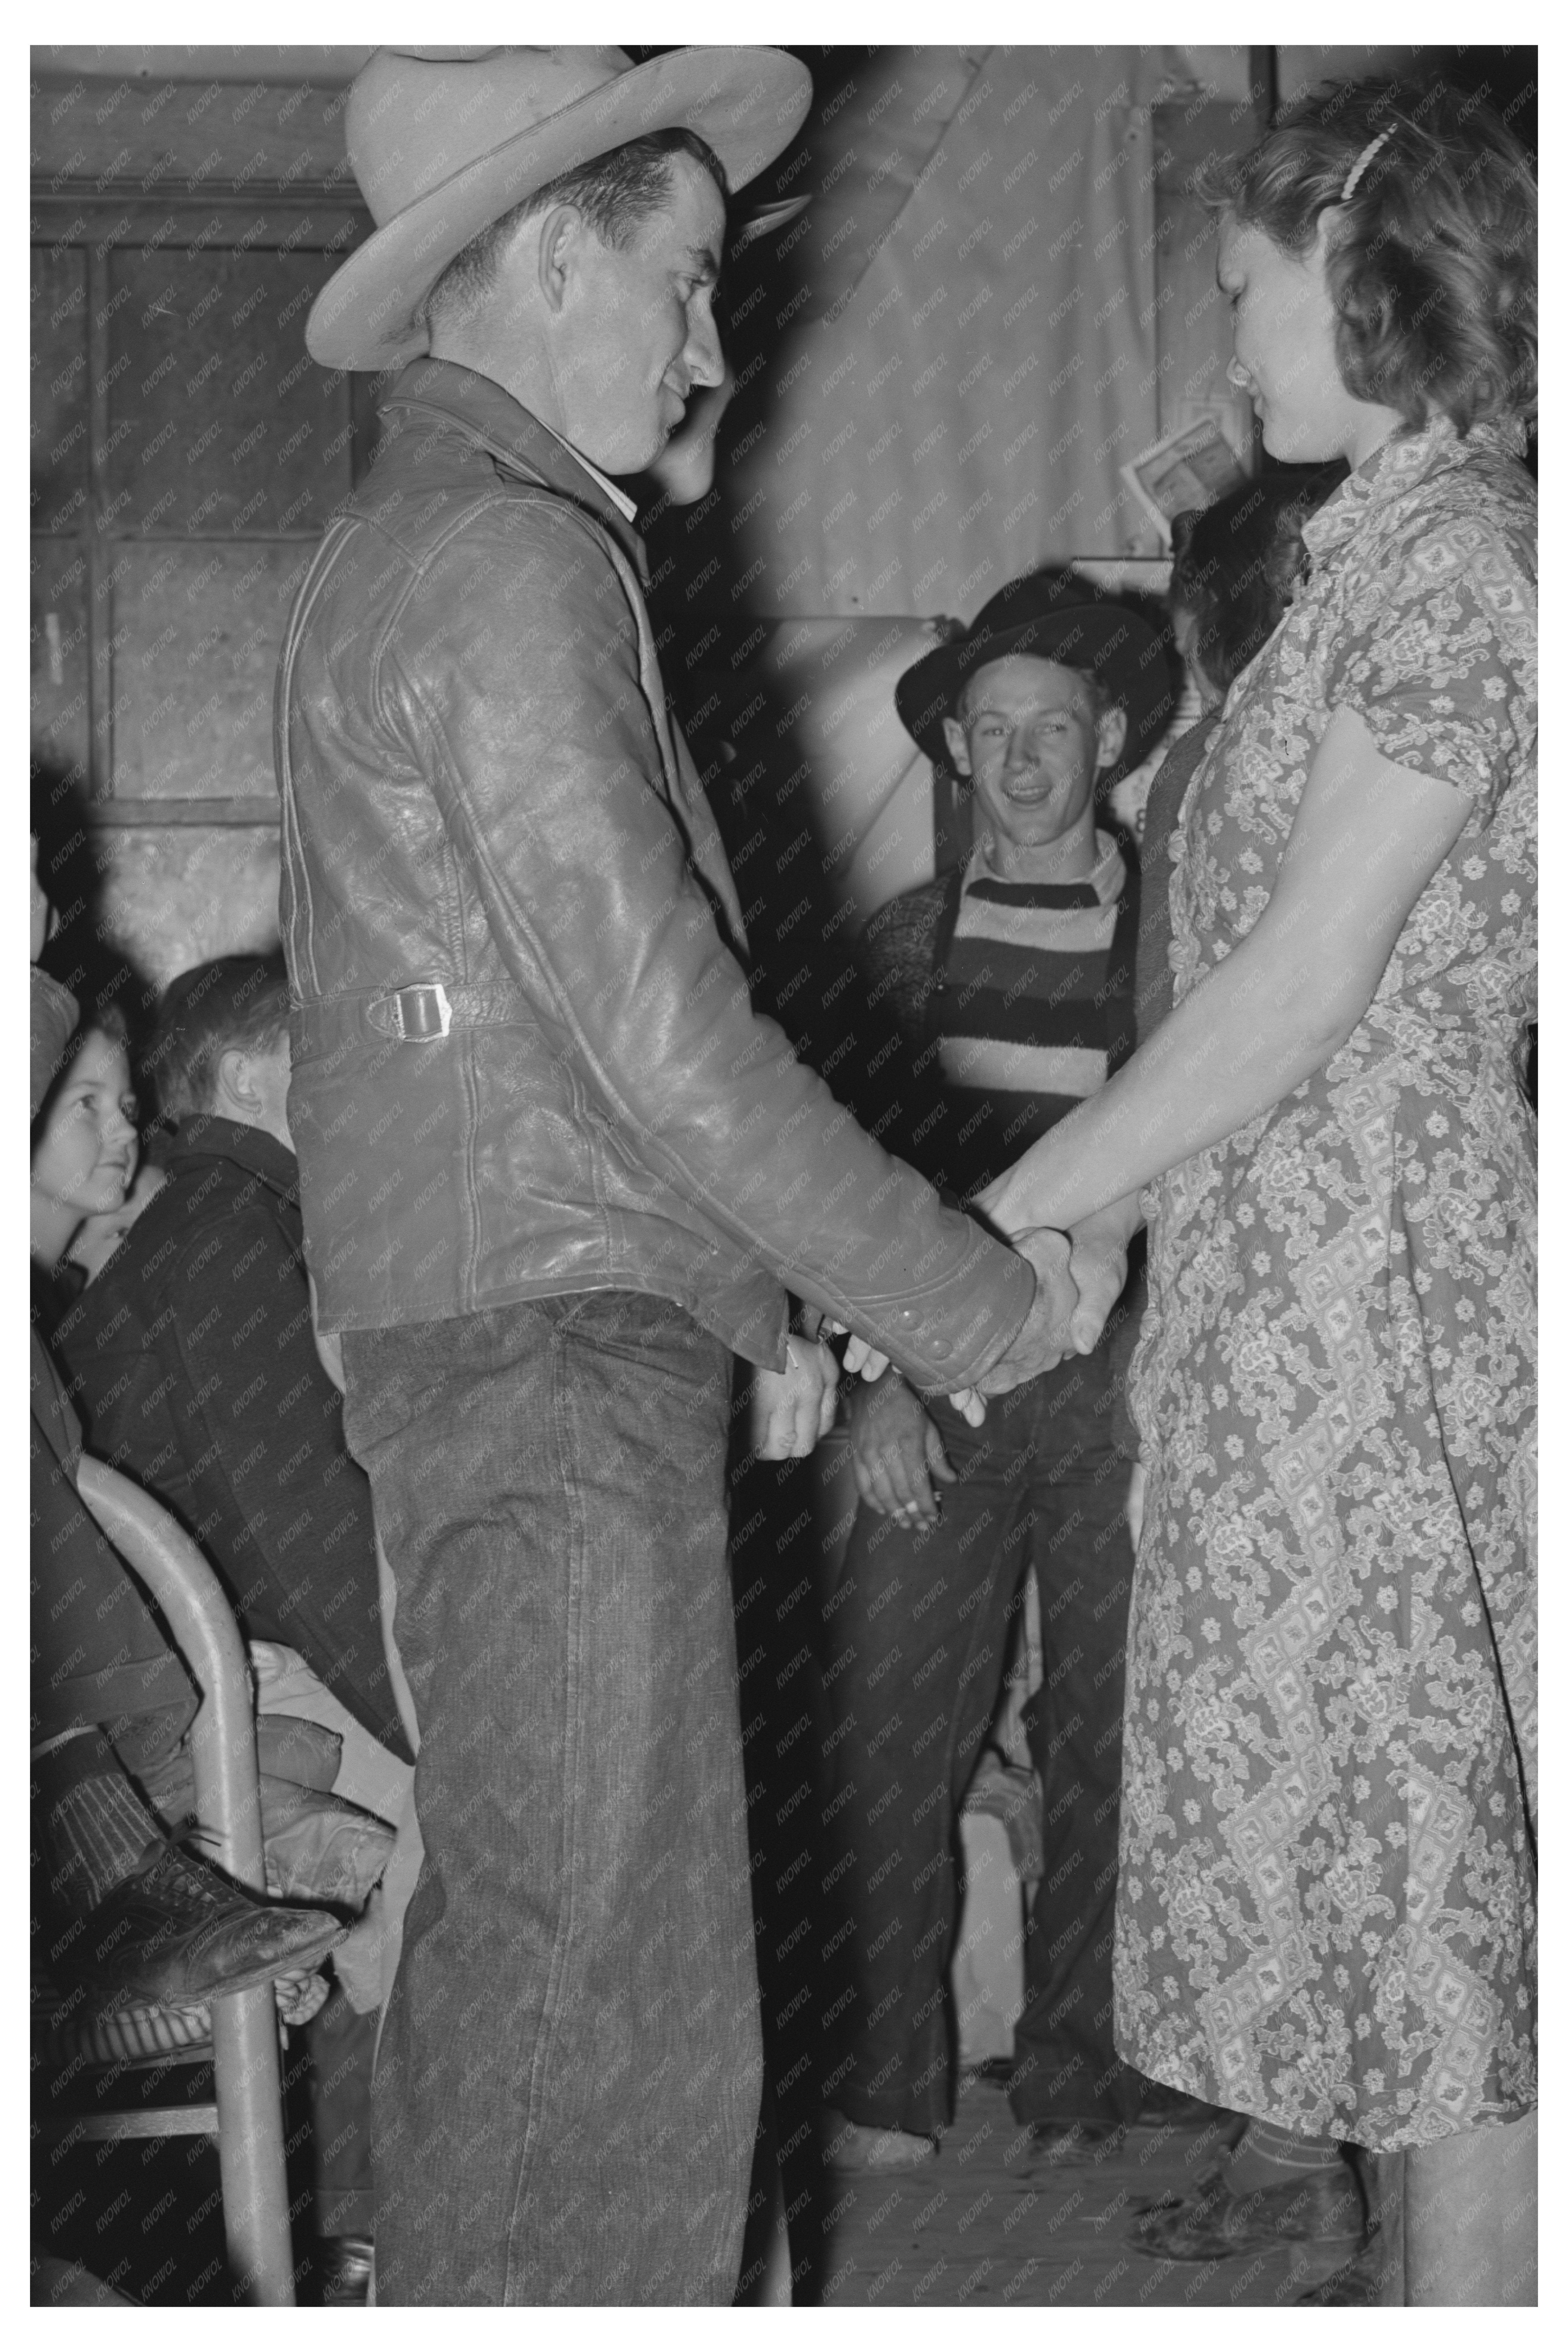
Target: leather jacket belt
417, 1014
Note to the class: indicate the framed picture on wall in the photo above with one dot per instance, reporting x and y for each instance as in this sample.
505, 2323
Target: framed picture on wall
1191, 467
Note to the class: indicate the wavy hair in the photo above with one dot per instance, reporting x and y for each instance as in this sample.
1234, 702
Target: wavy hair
1432, 262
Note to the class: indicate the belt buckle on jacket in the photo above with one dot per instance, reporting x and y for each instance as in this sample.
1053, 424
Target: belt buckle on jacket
414, 1015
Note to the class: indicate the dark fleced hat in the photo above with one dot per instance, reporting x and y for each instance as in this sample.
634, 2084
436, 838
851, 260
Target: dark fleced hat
1060, 619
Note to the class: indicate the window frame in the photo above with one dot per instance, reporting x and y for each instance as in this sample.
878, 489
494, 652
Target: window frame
184, 217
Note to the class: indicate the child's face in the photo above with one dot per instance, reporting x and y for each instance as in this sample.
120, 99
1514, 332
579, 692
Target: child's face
86, 1153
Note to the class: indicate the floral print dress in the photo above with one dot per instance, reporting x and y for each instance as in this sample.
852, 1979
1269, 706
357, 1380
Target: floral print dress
1326, 1908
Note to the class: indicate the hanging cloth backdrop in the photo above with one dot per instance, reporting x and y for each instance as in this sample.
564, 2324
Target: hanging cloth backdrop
967, 351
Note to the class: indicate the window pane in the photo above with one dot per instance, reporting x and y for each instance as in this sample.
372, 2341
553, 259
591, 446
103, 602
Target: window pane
219, 422
197, 630
59, 405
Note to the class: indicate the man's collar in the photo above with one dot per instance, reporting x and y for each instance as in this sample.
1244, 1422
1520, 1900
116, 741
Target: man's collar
612, 490
203, 1135
1105, 877
511, 433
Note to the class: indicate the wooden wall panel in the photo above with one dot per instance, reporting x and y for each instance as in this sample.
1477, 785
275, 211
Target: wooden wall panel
219, 422
199, 648
58, 367
176, 414
175, 896
59, 647
191, 450
186, 136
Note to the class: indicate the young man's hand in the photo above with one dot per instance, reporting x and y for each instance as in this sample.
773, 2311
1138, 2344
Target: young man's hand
793, 1409
896, 1450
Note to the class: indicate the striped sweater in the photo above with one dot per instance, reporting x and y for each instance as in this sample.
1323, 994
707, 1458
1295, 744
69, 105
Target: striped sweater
1012, 1002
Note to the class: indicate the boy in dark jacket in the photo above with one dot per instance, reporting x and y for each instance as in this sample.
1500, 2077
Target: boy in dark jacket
127, 1915
191, 1357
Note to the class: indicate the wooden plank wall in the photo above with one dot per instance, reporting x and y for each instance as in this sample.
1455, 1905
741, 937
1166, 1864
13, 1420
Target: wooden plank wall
184, 454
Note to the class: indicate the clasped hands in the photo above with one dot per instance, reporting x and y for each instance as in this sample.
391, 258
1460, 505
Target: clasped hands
1078, 1277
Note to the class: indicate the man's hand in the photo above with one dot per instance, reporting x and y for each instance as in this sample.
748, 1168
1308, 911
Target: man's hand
1047, 1333
859, 1356
792, 1409
1099, 1270
896, 1450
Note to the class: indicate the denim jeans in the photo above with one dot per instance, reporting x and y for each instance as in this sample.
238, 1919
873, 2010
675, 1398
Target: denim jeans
568, 2083
917, 1643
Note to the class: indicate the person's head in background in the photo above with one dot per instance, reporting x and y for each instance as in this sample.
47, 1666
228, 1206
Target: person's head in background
220, 1044
1032, 738
85, 1140
1233, 567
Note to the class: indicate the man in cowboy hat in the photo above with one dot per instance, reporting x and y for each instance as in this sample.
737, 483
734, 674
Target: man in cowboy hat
1009, 981
555, 1172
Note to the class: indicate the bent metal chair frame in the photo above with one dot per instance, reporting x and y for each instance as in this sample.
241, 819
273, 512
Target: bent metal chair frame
247, 2116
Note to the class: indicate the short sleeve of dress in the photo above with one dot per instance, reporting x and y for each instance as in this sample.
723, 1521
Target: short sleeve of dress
1438, 656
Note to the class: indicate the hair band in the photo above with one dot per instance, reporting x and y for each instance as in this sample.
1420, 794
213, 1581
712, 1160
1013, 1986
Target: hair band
1353, 177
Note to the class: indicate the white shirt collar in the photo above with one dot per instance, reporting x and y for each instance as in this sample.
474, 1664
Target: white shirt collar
1105, 877
612, 490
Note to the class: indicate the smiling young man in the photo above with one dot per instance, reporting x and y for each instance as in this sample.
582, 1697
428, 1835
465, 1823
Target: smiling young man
1009, 981
555, 1174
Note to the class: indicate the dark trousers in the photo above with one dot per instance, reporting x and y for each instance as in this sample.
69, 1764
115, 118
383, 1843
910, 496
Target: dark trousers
918, 1634
568, 2085
333, 2054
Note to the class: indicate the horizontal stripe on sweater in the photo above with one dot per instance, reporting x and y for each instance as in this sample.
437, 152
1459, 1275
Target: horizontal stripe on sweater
1008, 1065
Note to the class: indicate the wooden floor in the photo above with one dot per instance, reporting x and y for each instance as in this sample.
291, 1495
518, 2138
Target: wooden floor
986, 2221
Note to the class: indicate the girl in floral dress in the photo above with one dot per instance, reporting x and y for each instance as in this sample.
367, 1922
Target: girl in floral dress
1326, 1911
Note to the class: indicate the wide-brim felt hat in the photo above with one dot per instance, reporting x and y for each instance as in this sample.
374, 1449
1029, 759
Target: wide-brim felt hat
442, 141
1061, 619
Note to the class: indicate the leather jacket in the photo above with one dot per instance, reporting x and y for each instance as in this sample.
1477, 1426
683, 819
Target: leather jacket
525, 1060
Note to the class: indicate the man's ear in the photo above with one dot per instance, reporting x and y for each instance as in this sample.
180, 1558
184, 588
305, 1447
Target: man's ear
957, 745
232, 1081
1112, 732
561, 234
